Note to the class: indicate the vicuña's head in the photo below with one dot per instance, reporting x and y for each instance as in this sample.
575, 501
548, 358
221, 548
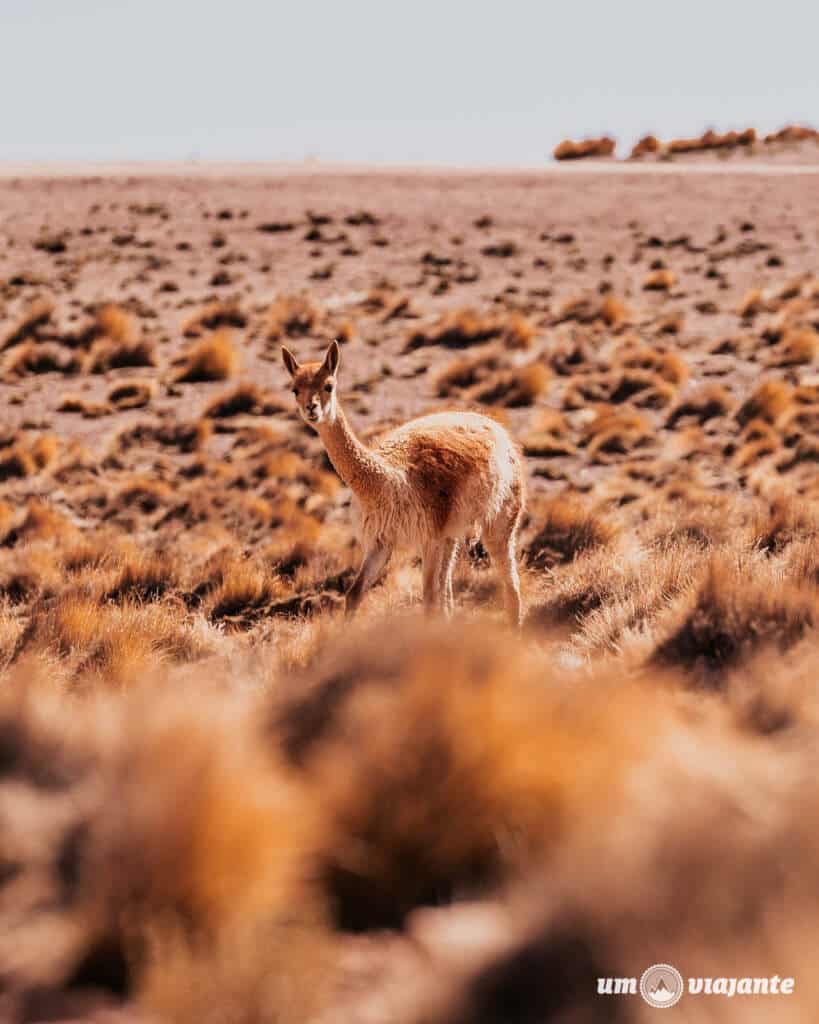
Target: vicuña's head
314, 385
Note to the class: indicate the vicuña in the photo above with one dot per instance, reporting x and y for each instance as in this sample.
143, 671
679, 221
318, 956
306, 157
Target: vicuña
429, 484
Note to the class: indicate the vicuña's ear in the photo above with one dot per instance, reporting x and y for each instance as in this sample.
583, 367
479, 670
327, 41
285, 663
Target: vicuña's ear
332, 358
289, 361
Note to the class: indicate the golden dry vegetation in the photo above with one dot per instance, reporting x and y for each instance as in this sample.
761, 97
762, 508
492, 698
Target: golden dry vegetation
219, 799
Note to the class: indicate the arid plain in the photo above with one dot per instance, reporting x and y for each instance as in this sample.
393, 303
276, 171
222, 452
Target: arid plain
222, 801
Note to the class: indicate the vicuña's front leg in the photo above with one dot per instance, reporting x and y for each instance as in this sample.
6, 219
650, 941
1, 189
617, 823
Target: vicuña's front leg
374, 564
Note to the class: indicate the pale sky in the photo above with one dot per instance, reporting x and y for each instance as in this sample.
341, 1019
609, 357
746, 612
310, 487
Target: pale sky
447, 82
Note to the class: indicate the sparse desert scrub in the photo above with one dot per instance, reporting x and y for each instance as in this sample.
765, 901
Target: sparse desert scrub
792, 133
171, 576
27, 574
183, 859
214, 358
27, 458
235, 589
786, 519
798, 422
706, 403
292, 316
668, 365
521, 386
644, 389
132, 394
570, 150
586, 309
740, 605
246, 399
661, 280
384, 851
598, 913
33, 357
466, 372
87, 408
111, 354
596, 575
140, 577
41, 521
114, 322
645, 146
755, 451
612, 434
107, 645
35, 315
211, 317
711, 140
463, 328
767, 402
116, 342
637, 596
168, 433
142, 493
797, 347
566, 526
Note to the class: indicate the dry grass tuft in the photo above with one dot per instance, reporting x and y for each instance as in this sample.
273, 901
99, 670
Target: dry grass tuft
706, 403
42, 522
237, 590
515, 388
213, 358
77, 404
786, 520
767, 403
740, 606
466, 372
132, 394
648, 145
27, 458
117, 324
246, 399
212, 317
292, 316
352, 724
115, 353
596, 148
457, 329
642, 388
797, 347
33, 357
616, 592
670, 366
711, 140
584, 309
36, 315
16, 463
566, 527
143, 578
661, 280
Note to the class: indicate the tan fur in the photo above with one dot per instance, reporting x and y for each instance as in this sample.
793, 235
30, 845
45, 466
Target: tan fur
428, 484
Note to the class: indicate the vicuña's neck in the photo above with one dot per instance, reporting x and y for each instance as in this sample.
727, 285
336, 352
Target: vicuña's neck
357, 465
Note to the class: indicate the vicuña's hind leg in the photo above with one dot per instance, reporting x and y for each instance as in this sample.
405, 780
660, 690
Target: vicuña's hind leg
501, 540
449, 557
433, 579
373, 565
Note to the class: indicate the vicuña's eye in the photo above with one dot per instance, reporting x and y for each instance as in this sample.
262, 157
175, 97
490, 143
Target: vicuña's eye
328, 387
296, 392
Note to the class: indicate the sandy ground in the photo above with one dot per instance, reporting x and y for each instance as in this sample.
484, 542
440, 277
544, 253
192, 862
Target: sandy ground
165, 244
